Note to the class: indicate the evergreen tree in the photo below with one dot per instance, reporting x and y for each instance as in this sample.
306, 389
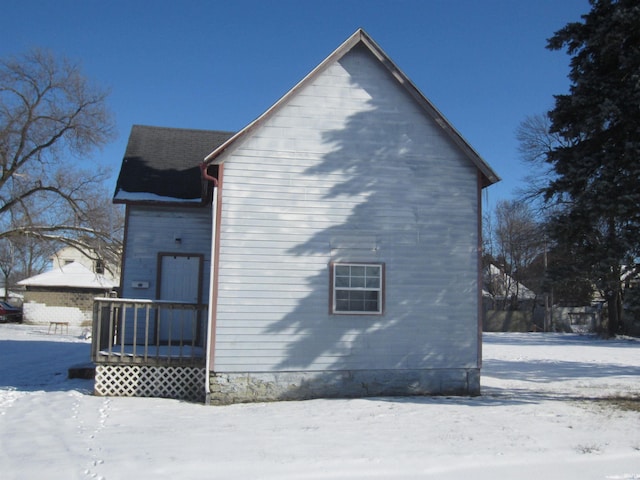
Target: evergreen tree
596, 181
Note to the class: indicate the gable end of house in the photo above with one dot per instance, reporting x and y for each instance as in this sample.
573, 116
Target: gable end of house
360, 38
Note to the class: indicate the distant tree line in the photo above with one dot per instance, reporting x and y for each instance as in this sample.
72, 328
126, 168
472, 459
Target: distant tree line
581, 208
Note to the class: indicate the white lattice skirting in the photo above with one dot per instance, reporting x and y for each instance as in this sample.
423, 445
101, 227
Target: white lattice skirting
184, 383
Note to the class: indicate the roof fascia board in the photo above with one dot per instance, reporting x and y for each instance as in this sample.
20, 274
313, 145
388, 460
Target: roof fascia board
490, 176
360, 36
159, 203
336, 54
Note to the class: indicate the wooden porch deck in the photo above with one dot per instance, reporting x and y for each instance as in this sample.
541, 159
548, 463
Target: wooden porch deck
148, 332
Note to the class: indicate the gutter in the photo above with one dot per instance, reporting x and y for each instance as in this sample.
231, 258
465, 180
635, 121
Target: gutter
206, 176
210, 325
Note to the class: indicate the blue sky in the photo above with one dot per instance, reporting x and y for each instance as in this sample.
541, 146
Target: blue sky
219, 64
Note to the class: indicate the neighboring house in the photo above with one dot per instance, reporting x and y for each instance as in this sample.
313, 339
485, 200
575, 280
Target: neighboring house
94, 262
63, 294
330, 249
501, 287
509, 306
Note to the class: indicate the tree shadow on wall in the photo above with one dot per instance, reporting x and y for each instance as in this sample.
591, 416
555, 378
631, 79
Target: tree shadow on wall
374, 180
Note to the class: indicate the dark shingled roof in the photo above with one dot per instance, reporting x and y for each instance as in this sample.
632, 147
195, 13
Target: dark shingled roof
165, 162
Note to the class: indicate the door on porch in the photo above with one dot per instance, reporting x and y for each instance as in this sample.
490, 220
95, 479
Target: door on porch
180, 281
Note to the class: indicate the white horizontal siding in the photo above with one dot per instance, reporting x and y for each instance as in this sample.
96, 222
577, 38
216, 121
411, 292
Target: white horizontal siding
151, 230
350, 169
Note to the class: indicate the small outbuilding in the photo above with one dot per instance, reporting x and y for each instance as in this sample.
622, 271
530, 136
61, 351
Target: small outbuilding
64, 294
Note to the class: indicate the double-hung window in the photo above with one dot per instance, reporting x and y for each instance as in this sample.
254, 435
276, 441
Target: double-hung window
357, 288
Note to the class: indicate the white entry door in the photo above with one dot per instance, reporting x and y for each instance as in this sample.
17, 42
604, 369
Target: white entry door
179, 282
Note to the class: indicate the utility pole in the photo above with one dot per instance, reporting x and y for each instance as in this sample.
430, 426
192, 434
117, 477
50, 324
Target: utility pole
547, 309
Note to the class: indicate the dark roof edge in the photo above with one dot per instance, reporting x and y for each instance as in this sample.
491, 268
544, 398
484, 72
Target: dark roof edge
138, 132
203, 130
158, 203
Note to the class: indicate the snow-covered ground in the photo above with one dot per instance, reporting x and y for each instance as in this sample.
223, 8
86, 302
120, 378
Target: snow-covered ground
542, 415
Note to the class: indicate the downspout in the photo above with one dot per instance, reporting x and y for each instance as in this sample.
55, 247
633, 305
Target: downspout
214, 211
479, 299
206, 176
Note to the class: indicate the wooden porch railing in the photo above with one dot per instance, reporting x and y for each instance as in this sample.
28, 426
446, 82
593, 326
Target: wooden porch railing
148, 332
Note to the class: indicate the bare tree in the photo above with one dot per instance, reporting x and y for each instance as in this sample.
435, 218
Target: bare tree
22, 257
51, 117
518, 243
535, 141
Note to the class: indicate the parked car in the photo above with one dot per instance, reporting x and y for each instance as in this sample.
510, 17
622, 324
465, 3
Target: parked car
9, 313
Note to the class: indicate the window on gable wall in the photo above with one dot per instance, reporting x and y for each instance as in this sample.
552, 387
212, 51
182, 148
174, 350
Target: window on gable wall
357, 288
99, 266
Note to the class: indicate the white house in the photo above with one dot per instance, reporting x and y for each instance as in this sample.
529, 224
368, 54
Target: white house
331, 248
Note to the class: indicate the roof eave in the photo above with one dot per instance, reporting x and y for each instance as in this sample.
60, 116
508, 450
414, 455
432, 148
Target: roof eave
489, 176
360, 36
168, 203
337, 53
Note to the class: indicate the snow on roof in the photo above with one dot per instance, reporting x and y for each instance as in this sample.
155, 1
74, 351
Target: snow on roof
124, 196
503, 286
71, 275
161, 165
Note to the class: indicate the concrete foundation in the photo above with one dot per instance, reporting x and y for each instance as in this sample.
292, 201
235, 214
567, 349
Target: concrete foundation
228, 388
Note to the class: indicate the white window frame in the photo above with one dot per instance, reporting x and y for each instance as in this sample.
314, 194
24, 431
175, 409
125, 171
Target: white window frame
359, 285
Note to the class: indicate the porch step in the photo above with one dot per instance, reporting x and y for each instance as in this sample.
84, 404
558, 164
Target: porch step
83, 370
